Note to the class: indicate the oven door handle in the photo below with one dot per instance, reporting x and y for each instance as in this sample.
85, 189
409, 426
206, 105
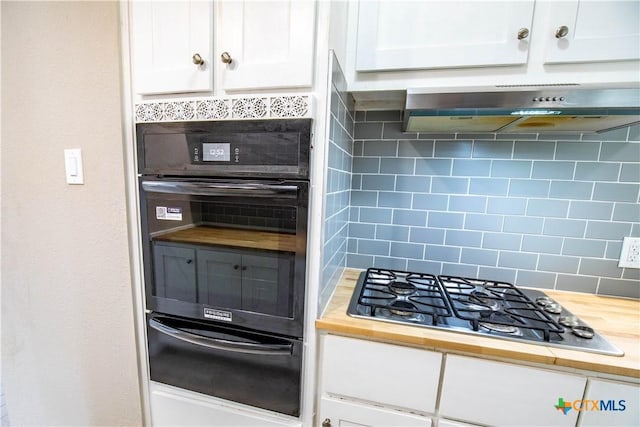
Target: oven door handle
221, 189
220, 344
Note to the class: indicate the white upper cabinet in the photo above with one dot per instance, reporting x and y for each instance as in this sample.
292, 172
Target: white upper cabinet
270, 44
406, 35
258, 45
435, 44
593, 31
166, 36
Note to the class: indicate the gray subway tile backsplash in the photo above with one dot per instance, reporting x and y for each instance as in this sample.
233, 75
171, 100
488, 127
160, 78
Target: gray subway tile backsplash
415, 149
417, 184
396, 233
564, 227
467, 203
489, 186
590, 210
607, 230
453, 149
529, 188
546, 211
553, 170
506, 206
584, 248
542, 244
620, 152
630, 172
430, 202
584, 151
511, 168
548, 208
394, 199
409, 217
534, 150
483, 222
571, 190
616, 192
449, 185
463, 238
503, 241
628, 212
493, 149
465, 167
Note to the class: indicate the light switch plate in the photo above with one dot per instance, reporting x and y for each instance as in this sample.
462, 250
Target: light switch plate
630, 254
73, 166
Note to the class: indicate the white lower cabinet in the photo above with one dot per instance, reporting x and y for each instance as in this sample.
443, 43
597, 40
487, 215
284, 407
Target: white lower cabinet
610, 403
388, 374
495, 393
170, 407
366, 383
343, 413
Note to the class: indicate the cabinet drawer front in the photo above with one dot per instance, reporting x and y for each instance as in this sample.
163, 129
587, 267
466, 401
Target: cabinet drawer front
179, 408
620, 407
487, 392
342, 413
383, 373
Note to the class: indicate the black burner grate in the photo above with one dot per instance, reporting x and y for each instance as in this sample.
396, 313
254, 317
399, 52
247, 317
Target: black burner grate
491, 303
403, 294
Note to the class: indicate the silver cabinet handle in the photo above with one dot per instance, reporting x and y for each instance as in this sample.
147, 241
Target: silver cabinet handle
197, 59
562, 31
226, 58
523, 33
326, 422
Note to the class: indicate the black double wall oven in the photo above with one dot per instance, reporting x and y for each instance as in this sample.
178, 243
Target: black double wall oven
224, 209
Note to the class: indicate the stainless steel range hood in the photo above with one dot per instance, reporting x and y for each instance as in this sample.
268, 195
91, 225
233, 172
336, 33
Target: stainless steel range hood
549, 110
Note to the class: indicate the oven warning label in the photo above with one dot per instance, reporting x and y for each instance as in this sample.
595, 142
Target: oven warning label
170, 214
225, 316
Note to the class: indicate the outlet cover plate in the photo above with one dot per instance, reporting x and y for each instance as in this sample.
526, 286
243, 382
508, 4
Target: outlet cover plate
630, 254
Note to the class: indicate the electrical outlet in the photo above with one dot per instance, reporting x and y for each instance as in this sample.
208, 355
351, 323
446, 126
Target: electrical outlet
630, 255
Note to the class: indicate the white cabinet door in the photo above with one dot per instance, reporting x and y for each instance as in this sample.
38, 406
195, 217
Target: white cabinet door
177, 408
486, 392
343, 413
603, 30
270, 43
165, 37
405, 35
618, 404
383, 373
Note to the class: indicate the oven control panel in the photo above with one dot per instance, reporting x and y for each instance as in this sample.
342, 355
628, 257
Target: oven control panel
215, 152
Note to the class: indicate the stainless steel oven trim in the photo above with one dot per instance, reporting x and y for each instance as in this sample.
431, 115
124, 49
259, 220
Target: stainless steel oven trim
220, 344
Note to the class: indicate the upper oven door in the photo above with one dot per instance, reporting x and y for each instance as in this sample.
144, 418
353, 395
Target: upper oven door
250, 148
231, 251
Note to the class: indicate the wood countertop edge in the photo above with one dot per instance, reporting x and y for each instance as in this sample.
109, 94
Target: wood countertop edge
335, 320
539, 355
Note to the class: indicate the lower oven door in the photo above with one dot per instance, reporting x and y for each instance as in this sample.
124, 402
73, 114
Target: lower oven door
255, 369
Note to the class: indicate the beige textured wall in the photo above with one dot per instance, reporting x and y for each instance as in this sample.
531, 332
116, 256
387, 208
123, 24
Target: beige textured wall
68, 347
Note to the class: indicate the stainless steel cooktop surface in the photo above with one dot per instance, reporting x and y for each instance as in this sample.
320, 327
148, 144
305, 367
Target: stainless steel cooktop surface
473, 306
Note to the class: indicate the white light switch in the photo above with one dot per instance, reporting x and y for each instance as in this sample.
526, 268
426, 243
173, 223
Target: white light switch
73, 166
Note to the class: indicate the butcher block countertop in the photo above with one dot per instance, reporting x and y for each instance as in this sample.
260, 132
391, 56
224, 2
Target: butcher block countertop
617, 319
232, 237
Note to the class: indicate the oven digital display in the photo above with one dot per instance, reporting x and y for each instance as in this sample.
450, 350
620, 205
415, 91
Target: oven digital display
216, 152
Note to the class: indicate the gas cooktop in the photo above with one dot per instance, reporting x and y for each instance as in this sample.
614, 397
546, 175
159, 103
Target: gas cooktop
473, 306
